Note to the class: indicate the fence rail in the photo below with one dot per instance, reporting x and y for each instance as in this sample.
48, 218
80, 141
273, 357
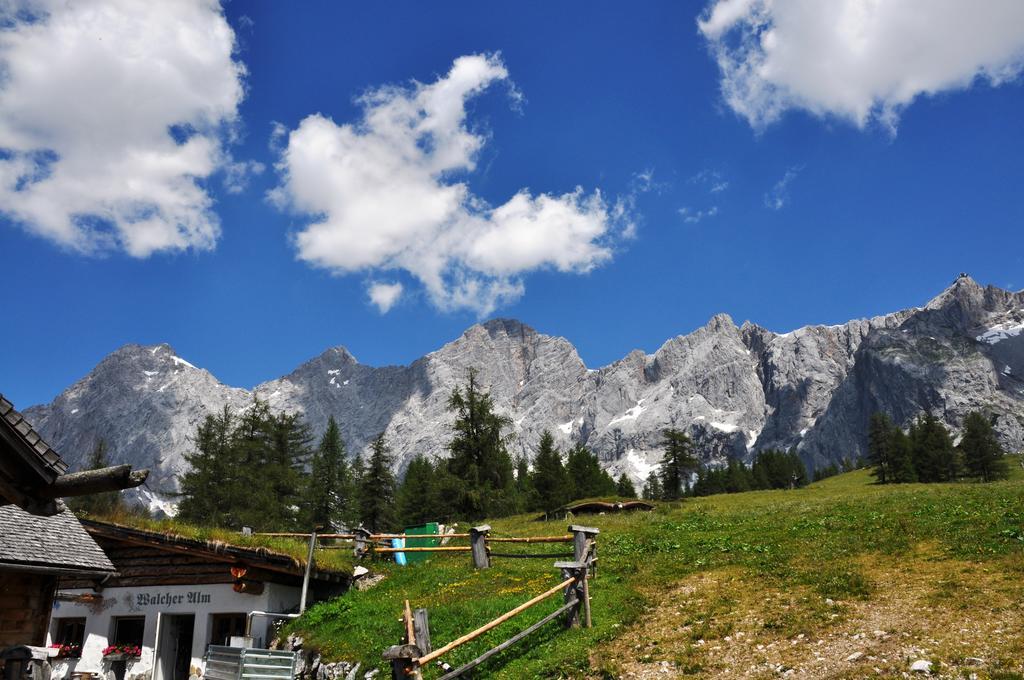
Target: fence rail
368, 544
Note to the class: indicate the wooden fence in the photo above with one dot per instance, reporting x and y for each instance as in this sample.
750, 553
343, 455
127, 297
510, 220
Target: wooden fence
409, 658
366, 544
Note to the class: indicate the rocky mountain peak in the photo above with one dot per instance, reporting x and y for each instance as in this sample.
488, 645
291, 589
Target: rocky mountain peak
735, 390
963, 290
507, 327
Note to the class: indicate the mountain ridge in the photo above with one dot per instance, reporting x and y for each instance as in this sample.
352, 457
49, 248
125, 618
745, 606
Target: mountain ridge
736, 389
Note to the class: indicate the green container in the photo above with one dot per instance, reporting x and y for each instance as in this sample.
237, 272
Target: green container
429, 540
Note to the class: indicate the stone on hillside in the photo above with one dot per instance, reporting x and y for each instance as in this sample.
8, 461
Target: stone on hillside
921, 666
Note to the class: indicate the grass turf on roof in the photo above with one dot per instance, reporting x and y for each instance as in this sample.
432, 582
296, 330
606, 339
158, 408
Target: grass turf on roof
324, 559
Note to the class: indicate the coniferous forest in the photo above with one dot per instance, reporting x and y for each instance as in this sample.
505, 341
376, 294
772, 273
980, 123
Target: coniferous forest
927, 453
263, 469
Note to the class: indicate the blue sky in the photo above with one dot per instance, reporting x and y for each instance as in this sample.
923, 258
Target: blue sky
783, 198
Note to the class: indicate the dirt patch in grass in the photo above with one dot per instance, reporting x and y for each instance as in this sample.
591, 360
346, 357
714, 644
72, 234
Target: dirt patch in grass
871, 617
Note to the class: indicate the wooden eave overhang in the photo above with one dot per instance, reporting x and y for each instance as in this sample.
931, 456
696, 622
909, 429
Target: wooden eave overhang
256, 557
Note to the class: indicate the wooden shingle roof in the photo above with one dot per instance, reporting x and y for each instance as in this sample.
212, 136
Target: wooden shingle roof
56, 544
48, 459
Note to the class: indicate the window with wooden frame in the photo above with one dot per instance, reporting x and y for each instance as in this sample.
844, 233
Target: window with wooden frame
128, 630
224, 626
68, 636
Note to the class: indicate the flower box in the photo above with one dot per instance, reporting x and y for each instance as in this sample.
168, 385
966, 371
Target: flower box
66, 650
121, 652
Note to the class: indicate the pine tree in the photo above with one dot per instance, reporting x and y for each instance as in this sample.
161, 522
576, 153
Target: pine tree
329, 490
586, 477
982, 454
98, 504
624, 487
759, 471
418, 493
550, 481
287, 453
478, 454
901, 458
652, 490
356, 471
738, 477
246, 470
377, 489
677, 464
213, 471
524, 491
879, 447
935, 457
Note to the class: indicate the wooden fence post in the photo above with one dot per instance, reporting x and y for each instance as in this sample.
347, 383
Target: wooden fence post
573, 591
402, 665
361, 537
421, 624
478, 543
580, 534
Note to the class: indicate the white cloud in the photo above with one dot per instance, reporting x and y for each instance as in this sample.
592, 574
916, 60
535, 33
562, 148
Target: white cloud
111, 115
385, 295
238, 173
389, 192
859, 60
712, 180
778, 196
693, 216
643, 182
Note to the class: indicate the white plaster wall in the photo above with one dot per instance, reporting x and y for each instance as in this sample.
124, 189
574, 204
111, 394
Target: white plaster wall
125, 602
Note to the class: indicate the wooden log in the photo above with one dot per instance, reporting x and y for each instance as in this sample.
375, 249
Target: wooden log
586, 600
478, 543
506, 644
292, 534
547, 556
531, 539
410, 632
435, 548
427, 658
378, 537
86, 482
421, 629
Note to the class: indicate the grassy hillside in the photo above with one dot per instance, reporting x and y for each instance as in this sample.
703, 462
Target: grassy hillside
835, 580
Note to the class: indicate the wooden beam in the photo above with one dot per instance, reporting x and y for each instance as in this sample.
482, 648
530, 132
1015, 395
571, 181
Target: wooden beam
410, 631
532, 539
87, 482
438, 548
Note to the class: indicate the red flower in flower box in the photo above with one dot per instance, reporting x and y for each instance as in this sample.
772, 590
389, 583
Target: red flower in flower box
122, 650
67, 650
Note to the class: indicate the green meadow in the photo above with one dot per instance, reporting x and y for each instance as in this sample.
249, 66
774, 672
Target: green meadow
749, 584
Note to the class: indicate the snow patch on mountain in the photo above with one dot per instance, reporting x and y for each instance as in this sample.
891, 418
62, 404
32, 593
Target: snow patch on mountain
640, 467
1000, 332
631, 414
